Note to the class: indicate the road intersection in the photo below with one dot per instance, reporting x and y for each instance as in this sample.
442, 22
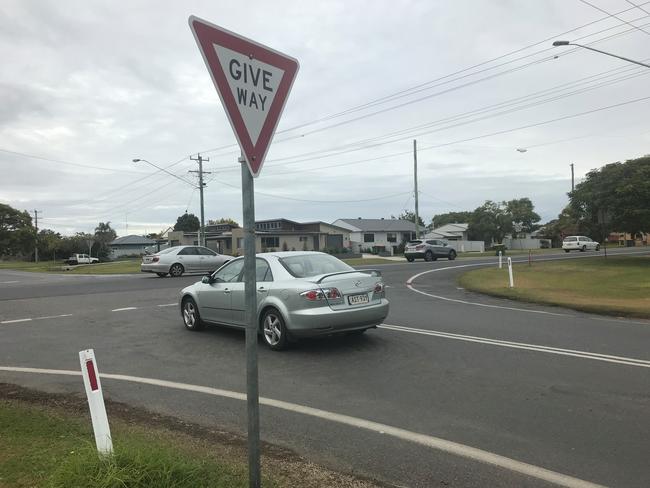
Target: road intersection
526, 395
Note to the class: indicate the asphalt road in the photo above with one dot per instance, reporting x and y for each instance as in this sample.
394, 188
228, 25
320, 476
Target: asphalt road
555, 389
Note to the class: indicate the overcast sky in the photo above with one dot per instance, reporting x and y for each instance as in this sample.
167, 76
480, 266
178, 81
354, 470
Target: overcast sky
88, 86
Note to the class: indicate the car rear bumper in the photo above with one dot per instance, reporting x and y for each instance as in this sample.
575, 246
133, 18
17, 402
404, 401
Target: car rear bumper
154, 268
415, 255
325, 321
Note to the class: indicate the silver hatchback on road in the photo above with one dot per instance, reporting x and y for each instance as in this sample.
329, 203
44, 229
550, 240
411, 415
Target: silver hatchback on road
299, 294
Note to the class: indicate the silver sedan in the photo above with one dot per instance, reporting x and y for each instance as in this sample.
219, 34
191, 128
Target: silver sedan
183, 259
299, 294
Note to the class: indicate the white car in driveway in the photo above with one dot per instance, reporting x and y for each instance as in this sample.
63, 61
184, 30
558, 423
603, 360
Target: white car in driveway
579, 243
183, 259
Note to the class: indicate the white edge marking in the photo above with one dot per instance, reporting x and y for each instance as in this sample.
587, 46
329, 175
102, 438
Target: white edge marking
54, 316
521, 345
436, 443
15, 321
167, 305
123, 309
409, 285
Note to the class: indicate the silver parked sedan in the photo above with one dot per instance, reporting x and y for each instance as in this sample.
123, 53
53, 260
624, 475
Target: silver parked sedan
183, 259
299, 294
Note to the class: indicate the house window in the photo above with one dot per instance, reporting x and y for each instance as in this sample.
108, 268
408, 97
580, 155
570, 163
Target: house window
240, 243
391, 237
304, 238
369, 238
270, 242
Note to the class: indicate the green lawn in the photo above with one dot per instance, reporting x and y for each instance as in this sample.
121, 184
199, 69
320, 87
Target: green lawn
47, 441
44, 448
114, 267
616, 286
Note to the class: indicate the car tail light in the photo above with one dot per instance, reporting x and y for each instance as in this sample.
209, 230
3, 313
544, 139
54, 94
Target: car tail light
419, 248
155, 259
379, 287
322, 294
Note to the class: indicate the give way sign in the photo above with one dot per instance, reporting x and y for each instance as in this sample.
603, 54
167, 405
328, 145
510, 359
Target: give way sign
253, 82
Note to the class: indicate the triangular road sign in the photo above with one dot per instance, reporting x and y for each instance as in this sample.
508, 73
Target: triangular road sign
253, 82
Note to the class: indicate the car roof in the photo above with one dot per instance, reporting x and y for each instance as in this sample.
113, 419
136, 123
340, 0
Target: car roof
284, 254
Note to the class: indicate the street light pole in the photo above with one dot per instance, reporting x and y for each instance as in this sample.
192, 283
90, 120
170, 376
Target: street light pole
567, 43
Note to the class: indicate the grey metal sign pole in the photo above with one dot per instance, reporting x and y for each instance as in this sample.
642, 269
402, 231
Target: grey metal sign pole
250, 279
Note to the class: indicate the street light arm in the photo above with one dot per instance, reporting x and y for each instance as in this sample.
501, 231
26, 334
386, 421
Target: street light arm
567, 43
137, 160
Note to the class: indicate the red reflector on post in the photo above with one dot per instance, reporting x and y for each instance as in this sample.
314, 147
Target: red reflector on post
92, 377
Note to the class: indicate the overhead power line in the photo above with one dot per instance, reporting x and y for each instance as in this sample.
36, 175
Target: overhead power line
614, 16
411, 90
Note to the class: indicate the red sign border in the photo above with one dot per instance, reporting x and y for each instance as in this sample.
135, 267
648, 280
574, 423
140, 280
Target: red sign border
207, 35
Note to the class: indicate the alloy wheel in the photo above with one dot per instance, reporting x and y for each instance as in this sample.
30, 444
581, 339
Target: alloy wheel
272, 332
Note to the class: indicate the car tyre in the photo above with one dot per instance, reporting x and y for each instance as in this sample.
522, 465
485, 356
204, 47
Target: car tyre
176, 270
452, 255
428, 256
583, 248
410, 260
598, 247
357, 333
191, 316
566, 250
161, 275
274, 331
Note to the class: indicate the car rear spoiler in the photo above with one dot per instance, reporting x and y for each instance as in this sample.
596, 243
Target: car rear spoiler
372, 272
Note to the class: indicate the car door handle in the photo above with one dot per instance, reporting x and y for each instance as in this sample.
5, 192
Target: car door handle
261, 289
226, 290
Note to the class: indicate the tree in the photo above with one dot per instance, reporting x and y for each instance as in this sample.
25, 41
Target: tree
222, 220
104, 234
49, 244
410, 216
187, 223
615, 197
490, 223
523, 215
450, 218
17, 235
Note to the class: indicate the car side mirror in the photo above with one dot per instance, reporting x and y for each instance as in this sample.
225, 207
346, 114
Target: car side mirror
206, 280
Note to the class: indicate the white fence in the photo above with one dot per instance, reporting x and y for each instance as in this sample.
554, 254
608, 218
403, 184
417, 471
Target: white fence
467, 246
524, 243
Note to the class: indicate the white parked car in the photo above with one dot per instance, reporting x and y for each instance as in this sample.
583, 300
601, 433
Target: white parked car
81, 259
579, 243
183, 259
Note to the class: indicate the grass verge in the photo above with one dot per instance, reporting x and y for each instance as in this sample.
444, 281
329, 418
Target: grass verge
46, 440
114, 267
613, 286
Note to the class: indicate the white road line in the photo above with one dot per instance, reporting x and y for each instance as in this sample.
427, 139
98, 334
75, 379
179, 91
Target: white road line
8, 282
435, 443
124, 309
641, 363
486, 305
168, 305
15, 321
54, 316
409, 285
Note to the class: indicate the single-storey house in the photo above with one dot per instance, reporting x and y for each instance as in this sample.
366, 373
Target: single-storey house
129, 246
378, 234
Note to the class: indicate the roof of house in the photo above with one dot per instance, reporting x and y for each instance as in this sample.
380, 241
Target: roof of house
132, 240
434, 234
452, 228
379, 225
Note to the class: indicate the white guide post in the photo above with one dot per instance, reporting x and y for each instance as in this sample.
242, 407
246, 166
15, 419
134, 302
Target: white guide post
500, 260
512, 283
93, 386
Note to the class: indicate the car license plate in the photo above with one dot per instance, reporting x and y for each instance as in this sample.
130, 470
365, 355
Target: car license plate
357, 299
